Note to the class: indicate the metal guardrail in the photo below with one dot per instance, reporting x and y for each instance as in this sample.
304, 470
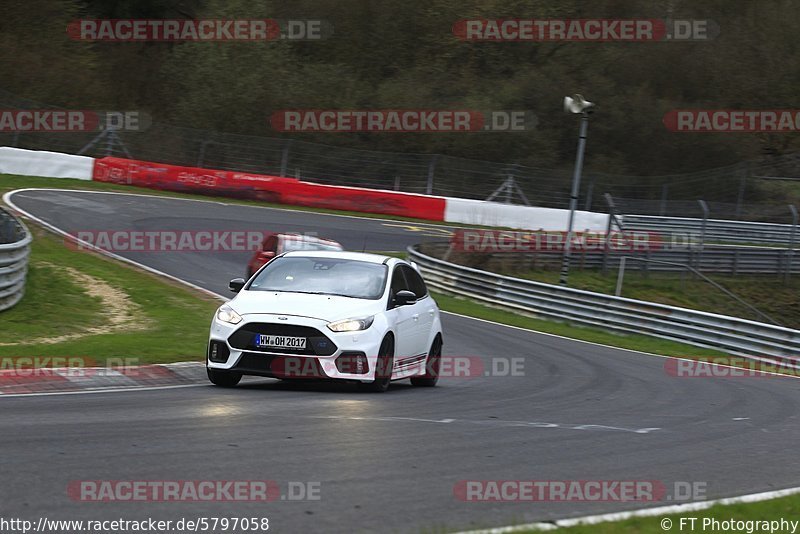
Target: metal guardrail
724, 231
717, 259
733, 335
15, 240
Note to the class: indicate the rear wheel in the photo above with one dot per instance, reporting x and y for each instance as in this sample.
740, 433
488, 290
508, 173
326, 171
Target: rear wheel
225, 379
432, 365
383, 368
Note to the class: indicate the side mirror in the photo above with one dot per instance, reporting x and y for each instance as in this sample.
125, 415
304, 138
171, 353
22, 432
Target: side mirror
404, 297
236, 284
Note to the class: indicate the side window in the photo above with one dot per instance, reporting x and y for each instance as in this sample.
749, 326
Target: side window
270, 244
398, 281
415, 282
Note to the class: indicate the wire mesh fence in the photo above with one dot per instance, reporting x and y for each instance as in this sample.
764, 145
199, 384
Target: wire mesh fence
733, 192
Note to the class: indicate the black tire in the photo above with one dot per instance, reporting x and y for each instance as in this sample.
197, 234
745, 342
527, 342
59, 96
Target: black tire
225, 379
432, 366
383, 368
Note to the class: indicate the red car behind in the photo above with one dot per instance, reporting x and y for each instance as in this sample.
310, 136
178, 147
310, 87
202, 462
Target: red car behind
278, 243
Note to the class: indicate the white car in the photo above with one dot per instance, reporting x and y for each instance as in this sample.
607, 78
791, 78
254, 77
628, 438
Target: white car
331, 315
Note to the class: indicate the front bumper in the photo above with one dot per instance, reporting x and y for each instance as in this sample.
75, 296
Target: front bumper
328, 355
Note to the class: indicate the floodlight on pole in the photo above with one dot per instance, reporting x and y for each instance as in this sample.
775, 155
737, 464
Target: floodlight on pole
575, 104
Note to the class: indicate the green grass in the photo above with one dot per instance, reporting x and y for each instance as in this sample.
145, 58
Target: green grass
769, 294
634, 342
175, 318
772, 510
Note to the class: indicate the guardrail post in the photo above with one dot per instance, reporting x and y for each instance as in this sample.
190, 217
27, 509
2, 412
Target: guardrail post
790, 251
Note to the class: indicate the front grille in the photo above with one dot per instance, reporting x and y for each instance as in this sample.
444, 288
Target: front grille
317, 344
279, 366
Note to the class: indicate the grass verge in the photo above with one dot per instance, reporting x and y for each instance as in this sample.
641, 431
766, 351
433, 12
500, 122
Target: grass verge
137, 315
595, 335
772, 510
770, 294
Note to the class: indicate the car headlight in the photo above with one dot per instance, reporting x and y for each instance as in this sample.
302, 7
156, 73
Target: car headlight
226, 314
351, 325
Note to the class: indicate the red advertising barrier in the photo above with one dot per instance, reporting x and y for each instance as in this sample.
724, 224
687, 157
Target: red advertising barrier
266, 188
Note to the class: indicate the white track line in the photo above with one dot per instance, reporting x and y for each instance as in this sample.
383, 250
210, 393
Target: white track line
646, 512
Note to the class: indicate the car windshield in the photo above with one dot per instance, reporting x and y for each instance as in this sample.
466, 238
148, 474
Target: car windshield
328, 276
290, 244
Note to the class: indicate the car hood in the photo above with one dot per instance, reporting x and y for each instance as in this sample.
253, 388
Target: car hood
324, 307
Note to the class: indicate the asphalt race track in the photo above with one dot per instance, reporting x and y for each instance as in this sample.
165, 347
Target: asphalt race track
386, 463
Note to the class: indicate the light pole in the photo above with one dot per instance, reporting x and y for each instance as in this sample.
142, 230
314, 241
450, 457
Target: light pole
575, 104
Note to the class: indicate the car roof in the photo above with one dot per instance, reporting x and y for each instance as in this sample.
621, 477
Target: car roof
306, 237
356, 256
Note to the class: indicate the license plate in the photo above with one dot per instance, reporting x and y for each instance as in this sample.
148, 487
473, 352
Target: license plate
264, 341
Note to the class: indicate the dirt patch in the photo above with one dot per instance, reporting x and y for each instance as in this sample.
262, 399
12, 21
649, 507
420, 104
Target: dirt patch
120, 312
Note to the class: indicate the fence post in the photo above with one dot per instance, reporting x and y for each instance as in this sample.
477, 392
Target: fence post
620, 276
285, 158
202, 156
790, 252
742, 185
589, 192
611, 209
704, 207
662, 210
431, 166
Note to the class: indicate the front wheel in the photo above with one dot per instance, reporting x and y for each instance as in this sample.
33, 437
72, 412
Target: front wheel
383, 368
225, 379
432, 365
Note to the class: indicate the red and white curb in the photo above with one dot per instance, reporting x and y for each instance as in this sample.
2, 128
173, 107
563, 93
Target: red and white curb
89, 379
